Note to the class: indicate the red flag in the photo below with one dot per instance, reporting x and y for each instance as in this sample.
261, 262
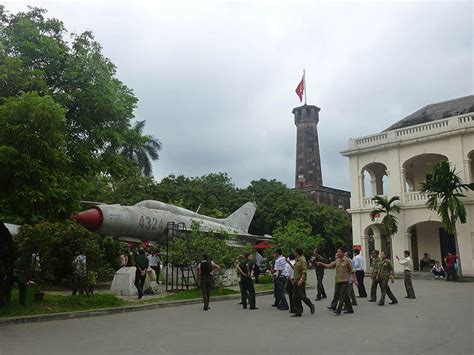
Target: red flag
300, 89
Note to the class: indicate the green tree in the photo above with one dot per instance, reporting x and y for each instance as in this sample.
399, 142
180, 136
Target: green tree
388, 208
57, 245
141, 148
34, 182
188, 248
444, 188
296, 233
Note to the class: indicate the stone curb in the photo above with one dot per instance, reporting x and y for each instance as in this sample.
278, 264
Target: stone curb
115, 310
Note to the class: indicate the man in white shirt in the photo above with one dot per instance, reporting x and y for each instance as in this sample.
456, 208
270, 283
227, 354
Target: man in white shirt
281, 276
359, 267
407, 268
258, 263
289, 283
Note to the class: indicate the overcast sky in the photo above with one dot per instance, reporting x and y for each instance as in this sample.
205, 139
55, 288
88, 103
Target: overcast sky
216, 80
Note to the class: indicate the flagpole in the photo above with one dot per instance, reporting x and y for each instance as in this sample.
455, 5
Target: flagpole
304, 83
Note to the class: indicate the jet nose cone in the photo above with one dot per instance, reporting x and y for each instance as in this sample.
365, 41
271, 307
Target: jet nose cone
90, 219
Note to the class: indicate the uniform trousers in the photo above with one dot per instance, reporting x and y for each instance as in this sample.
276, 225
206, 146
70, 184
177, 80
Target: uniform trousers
321, 293
299, 297
373, 288
386, 290
408, 283
249, 292
206, 284
344, 299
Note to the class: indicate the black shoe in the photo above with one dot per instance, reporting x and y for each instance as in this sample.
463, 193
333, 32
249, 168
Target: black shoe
411, 297
324, 296
254, 308
372, 300
333, 309
244, 307
240, 303
336, 313
348, 311
313, 309
380, 304
274, 305
318, 299
296, 315
393, 302
292, 311
354, 304
361, 296
283, 309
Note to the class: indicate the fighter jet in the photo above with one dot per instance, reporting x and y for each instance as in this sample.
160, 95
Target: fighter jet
148, 221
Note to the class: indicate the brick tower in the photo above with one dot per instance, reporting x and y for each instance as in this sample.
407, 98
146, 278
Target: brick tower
308, 160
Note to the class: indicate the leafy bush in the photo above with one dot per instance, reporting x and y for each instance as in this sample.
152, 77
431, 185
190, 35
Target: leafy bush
57, 245
189, 248
296, 233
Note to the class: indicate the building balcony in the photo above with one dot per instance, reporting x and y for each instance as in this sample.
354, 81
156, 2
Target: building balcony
421, 131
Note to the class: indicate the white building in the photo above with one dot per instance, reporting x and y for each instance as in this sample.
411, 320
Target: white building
394, 162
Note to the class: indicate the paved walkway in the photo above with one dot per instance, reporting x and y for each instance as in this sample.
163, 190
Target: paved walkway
439, 321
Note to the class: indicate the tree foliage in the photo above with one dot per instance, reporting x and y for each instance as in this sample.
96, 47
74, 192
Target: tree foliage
34, 182
45, 75
58, 243
444, 188
388, 208
188, 248
297, 233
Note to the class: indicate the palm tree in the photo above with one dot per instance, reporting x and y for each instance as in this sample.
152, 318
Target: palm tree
387, 207
141, 148
444, 189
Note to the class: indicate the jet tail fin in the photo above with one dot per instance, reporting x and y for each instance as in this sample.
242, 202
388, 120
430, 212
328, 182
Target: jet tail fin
242, 218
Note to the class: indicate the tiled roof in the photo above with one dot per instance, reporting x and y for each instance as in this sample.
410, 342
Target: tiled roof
436, 111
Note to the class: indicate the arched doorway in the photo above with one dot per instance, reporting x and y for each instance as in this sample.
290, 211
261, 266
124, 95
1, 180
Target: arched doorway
376, 239
431, 238
416, 168
375, 179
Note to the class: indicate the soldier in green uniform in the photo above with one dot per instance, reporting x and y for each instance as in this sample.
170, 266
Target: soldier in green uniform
245, 269
300, 270
343, 266
318, 258
385, 272
374, 262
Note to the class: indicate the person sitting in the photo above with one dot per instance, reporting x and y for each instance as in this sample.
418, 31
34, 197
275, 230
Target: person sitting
425, 261
438, 270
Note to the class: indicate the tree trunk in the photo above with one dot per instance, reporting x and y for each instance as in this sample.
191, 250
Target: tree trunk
458, 256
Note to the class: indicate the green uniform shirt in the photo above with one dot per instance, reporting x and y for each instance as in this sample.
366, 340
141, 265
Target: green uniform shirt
375, 266
385, 269
141, 261
245, 267
343, 269
321, 259
300, 269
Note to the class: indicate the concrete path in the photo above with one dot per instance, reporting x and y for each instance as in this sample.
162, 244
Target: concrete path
439, 321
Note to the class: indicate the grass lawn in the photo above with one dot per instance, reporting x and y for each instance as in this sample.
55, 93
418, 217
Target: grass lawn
57, 304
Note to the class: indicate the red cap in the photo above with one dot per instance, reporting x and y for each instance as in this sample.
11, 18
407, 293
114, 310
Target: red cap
90, 219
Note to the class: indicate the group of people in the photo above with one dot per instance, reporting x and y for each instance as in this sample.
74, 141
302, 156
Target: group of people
290, 276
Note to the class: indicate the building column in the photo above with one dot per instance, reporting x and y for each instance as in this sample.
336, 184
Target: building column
467, 171
408, 241
364, 242
361, 190
377, 239
403, 180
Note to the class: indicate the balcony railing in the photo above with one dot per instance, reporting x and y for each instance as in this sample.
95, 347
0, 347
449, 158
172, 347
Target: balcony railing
412, 132
415, 197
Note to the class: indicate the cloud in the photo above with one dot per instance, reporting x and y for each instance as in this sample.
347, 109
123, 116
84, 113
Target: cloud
216, 80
